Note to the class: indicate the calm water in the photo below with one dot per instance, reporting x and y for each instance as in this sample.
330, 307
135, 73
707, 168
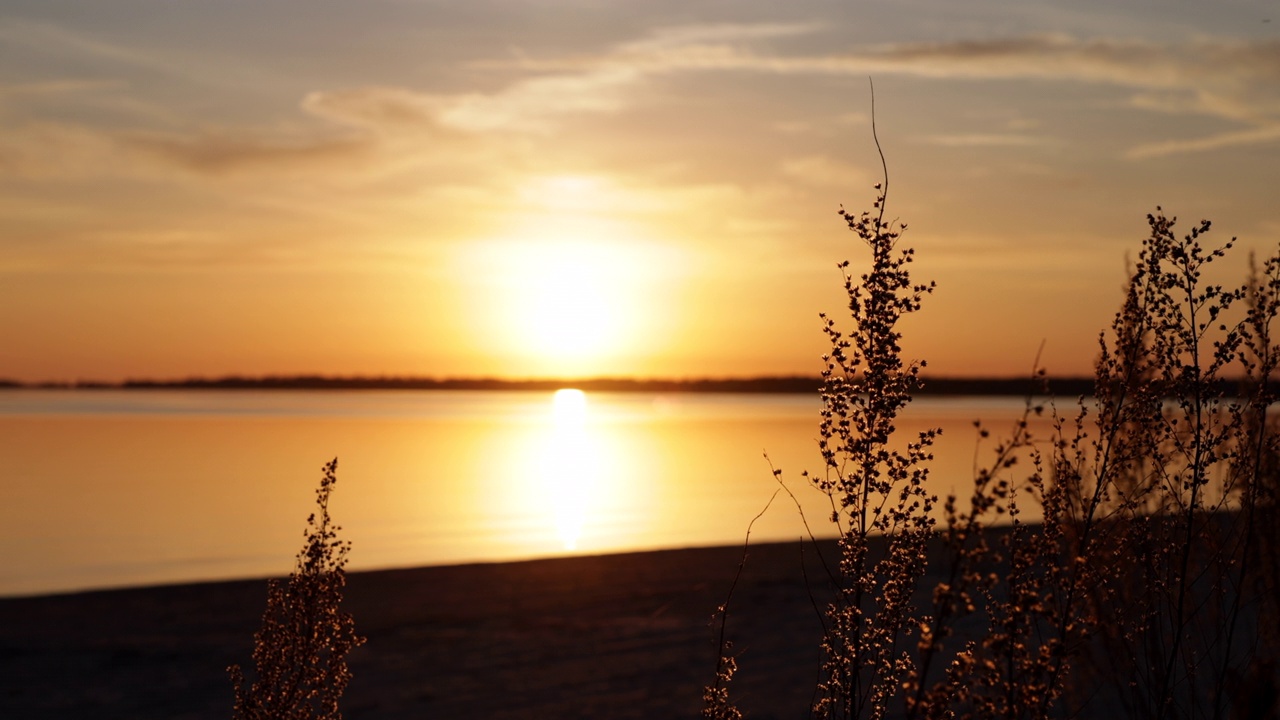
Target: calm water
108, 488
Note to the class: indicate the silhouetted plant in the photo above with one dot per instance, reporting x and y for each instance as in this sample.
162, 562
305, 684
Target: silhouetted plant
1150, 585
1165, 510
1139, 586
300, 652
970, 673
876, 488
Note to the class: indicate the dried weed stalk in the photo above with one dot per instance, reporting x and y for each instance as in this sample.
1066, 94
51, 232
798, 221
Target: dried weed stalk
300, 652
1149, 589
876, 486
1160, 501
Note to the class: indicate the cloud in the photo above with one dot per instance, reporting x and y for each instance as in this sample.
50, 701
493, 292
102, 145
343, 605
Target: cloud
550, 92
375, 107
1235, 81
985, 140
1270, 133
683, 35
368, 132
220, 152
1132, 63
52, 39
56, 87
529, 105
44, 150
1232, 80
823, 171
569, 86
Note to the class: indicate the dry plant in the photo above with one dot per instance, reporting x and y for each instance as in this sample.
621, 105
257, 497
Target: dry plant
1160, 500
876, 487
1148, 590
300, 652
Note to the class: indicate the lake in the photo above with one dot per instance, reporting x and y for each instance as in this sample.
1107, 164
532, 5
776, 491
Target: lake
106, 488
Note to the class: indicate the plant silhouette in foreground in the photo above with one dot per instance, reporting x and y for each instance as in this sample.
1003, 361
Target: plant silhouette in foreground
1160, 501
1149, 588
1137, 591
876, 487
300, 652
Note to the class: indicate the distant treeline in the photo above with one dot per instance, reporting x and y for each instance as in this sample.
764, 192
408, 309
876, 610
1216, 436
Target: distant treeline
789, 384
941, 386
768, 384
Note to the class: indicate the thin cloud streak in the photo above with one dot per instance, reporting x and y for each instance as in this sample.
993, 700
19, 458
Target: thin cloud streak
986, 140
1233, 81
47, 38
1215, 142
820, 170
222, 152
57, 87
1230, 80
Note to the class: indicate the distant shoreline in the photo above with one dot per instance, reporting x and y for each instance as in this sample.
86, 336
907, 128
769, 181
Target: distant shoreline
774, 384
769, 384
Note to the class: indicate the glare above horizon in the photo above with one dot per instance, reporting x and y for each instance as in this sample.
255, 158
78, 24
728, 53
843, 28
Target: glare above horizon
563, 294
580, 189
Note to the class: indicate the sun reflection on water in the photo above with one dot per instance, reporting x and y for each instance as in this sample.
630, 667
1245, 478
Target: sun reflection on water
430, 477
571, 464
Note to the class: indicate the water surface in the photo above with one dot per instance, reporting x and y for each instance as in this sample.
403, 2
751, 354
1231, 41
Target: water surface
109, 488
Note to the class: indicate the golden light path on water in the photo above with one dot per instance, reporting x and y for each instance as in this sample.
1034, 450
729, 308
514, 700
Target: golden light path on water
128, 488
601, 473
572, 464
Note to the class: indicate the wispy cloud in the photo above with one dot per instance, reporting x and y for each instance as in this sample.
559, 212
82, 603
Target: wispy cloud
986, 140
56, 87
685, 35
49, 38
1232, 80
1235, 81
214, 152
1269, 133
825, 171
375, 107
530, 105
562, 87
43, 150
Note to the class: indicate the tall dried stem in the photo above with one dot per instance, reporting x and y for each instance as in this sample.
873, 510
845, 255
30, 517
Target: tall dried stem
875, 486
300, 653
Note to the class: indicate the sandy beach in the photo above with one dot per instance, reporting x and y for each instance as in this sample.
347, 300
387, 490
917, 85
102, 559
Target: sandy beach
616, 636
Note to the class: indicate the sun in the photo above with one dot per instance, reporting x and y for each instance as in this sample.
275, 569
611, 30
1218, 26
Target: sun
561, 306
566, 308
569, 284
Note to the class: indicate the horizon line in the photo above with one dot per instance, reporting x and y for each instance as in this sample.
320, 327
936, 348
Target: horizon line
784, 383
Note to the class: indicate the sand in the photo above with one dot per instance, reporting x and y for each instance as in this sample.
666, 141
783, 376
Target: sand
617, 636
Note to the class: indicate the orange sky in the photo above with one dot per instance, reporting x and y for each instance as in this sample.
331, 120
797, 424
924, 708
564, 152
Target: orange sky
599, 188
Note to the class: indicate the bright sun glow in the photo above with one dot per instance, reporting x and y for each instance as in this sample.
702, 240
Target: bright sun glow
571, 285
569, 407
554, 306
567, 309
571, 464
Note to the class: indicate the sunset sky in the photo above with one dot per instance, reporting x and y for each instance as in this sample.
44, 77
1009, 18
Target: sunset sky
570, 188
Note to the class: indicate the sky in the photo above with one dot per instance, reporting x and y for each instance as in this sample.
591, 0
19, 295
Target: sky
545, 188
